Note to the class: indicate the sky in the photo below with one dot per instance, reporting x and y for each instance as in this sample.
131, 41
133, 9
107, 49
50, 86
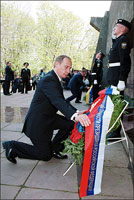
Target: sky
82, 9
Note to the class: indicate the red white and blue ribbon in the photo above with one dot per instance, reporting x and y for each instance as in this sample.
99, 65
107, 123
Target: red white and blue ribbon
99, 113
90, 95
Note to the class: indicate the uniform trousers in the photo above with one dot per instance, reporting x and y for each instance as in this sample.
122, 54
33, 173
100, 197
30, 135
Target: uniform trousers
25, 86
43, 149
96, 89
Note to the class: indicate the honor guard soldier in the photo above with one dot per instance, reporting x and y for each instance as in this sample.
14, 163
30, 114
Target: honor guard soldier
25, 75
97, 73
119, 60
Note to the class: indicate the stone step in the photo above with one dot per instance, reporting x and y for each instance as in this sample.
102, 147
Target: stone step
129, 117
130, 134
128, 125
130, 110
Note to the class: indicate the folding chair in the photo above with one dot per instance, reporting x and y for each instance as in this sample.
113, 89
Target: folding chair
121, 139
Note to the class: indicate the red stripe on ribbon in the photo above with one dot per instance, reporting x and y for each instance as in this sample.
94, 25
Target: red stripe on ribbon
89, 141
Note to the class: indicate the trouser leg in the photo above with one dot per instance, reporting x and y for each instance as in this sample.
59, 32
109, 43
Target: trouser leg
7, 86
37, 151
27, 86
23, 86
65, 127
95, 91
78, 98
73, 96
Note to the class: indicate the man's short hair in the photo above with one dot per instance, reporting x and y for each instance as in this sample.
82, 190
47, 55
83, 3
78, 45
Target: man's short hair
60, 58
84, 69
8, 62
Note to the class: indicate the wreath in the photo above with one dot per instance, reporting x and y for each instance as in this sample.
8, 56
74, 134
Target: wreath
76, 147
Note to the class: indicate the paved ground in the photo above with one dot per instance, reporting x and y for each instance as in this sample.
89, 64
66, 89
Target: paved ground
33, 179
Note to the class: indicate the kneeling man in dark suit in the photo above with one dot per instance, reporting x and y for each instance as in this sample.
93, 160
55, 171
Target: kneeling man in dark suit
42, 118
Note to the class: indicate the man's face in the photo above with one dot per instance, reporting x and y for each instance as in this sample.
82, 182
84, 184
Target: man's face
119, 28
9, 64
26, 65
83, 73
64, 68
99, 55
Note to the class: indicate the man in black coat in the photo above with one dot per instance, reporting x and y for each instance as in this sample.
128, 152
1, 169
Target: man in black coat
96, 74
119, 61
42, 118
25, 75
76, 85
8, 78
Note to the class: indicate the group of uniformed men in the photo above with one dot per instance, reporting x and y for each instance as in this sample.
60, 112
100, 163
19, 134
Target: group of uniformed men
119, 63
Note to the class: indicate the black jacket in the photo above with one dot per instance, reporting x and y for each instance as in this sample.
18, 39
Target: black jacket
25, 74
119, 53
47, 100
8, 73
76, 82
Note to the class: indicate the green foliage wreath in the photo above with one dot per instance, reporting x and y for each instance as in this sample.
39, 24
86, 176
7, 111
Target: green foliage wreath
77, 150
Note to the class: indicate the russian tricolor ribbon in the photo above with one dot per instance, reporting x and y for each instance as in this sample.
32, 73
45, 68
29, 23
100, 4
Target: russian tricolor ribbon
99, 113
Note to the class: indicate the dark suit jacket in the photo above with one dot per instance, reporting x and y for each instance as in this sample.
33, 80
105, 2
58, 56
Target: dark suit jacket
76, 82
25, 74
8, 73
47, 100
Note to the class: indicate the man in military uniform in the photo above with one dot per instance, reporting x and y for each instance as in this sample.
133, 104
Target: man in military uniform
25, 75
119, 60
97, 73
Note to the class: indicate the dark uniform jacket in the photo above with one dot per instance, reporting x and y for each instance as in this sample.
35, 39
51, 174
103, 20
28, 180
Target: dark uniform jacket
8, 73
119, 53
97, 70
47, 100
76, 82
25, 74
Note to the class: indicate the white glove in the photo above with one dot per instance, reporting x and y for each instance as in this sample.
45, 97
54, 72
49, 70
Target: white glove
95, 82
121, 85
115, 91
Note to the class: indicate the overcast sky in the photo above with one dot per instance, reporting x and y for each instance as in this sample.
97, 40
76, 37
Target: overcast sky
83, 9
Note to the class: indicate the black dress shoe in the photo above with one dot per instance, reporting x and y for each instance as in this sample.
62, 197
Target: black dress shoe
59, 155
78, 102
8, 149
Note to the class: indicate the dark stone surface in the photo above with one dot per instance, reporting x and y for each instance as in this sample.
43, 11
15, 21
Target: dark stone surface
13, 114
130, 134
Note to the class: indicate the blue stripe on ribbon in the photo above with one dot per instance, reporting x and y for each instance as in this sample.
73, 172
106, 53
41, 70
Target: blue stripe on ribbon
109, 91
97, 137
90, 95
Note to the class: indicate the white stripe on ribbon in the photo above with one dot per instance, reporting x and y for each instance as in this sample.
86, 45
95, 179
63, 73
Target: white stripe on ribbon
105, 125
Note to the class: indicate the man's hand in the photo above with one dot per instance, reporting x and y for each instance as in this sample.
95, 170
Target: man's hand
83, 119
